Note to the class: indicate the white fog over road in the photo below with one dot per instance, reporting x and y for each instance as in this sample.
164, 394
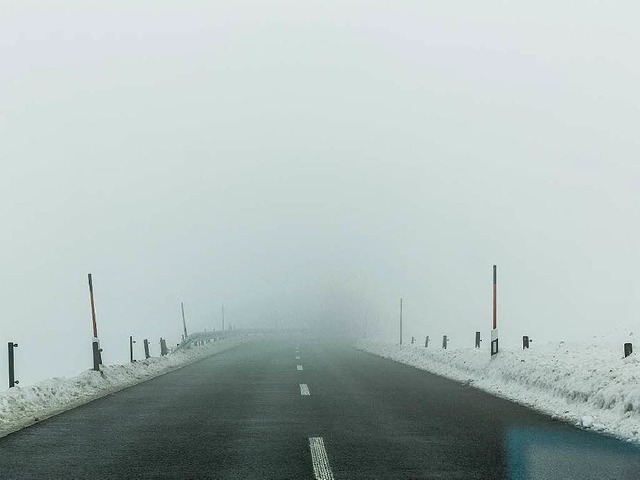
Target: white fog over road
307, 165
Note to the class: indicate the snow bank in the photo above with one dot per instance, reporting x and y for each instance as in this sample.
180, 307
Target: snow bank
588, 384
24, 406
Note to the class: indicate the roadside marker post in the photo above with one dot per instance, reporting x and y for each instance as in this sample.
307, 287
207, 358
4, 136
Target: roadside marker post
184, 321
131, 342
364, 326
12, 376
163, 347
400, 320
494, 331
97, 351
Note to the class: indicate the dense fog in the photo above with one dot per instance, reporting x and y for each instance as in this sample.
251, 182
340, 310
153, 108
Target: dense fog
309, 164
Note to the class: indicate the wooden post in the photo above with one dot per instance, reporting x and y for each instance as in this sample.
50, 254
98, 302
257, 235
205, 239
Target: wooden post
495, 297
97, 352
400, 320
364, 331
184, 321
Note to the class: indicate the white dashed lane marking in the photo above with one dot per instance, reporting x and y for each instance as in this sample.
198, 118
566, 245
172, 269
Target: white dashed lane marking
304, 389
299, 367
297, 357
321, 467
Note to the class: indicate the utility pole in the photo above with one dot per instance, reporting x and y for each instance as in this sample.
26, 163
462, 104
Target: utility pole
400, 320
223, 317
494, 331
97, 355
365, 323
184, 321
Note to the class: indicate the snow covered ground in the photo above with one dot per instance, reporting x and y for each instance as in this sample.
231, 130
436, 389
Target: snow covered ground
589, 384
24, 406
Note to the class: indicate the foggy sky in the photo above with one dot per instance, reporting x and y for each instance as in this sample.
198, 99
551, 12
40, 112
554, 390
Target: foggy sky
308, 164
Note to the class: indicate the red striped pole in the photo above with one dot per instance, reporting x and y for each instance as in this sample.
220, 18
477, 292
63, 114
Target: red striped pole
97, 355
93, 308
495, 297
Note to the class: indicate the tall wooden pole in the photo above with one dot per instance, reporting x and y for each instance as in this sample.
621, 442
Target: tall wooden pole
184, 321
223, 317
97, 355
93, 308
364, 332
495, 297
494, 331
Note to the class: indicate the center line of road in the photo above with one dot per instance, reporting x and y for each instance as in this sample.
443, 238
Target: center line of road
304, 389
297, 357
299, 367
321, 467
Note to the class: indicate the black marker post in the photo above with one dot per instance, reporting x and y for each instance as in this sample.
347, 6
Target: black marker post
494, 332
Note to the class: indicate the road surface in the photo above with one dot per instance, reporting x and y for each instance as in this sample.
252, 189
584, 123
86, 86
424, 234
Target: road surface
302, 409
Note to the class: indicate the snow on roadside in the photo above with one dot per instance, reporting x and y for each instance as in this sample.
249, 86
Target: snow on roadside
24, 406
588, 384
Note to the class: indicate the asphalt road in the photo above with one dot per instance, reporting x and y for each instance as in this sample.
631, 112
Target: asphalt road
258, 412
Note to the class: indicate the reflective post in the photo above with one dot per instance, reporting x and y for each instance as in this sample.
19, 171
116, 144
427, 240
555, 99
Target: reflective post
494, 331
12, 377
